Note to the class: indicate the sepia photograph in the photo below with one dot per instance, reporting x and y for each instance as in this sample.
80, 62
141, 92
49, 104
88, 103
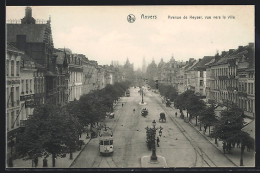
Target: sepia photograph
144, 86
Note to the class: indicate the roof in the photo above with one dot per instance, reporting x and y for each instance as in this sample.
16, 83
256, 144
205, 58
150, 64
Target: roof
193, 64
250, 129
34, 32
203, 61
13, 48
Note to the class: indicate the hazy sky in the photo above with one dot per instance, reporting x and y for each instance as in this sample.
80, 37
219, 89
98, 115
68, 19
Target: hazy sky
104, 34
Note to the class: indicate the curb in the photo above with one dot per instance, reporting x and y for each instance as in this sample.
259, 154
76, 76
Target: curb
79, 153
212, 144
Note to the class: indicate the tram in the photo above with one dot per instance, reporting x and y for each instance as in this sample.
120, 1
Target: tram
106, 141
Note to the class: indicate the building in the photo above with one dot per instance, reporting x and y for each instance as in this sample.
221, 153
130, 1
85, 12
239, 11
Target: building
232, 79
34, 38
200, 75
89, 75
27, 100
20, 70
75, 84
13, 90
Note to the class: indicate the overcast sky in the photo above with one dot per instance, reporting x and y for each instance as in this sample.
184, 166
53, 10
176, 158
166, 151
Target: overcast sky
104, 34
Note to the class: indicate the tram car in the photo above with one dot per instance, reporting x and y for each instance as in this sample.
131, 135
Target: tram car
106, 141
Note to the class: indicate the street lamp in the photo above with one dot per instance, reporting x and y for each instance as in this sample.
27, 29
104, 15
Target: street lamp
153, 156
142, 95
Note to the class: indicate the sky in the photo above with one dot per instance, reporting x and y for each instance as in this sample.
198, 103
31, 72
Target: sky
103, 33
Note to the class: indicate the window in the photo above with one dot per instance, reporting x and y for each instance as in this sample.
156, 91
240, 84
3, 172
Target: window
12, 96
12, 68
31, 85
17, 96
12, 119
17, 68
106, 142
7, 115
7, 67
17, 121
35, 85
7, 95
22, 87
111, 142
100, 142
27, 89
201, 82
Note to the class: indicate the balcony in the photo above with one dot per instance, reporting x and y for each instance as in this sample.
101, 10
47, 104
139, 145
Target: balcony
222, 77
232, 77
232, 89
242, 94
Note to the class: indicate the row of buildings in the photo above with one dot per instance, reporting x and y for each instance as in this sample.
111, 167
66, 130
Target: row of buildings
37, 73
227, 78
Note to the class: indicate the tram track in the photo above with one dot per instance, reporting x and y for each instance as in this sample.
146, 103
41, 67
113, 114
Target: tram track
110, 160
198, 151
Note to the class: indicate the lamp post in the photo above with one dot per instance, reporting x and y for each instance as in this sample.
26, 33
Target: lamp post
142, 95
153, 130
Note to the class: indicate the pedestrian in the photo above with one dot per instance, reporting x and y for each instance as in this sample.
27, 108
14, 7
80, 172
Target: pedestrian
133, 110
175, 114
45, 162
224, 147
36, 161
122, 104
158, 140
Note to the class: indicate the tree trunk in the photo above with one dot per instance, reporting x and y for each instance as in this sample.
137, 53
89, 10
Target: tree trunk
53, 160
187, 114
209, 130
242, 152
200, 126
71, 154
196, 120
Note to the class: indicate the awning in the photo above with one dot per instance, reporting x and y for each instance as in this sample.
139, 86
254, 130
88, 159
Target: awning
250, 129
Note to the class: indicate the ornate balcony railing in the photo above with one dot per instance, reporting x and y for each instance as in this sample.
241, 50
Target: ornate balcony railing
222, 77
242, 94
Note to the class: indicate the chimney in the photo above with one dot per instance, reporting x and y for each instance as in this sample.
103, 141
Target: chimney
28, 19
223, 53
251, 44
28, 12
231, 51
240, 48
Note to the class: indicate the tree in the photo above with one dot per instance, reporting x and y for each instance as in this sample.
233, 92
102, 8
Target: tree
229, 128
45, 133
168, 91
181, 102
194, 106
208, 117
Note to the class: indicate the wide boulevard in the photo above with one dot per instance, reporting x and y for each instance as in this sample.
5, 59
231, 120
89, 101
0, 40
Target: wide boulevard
180, 144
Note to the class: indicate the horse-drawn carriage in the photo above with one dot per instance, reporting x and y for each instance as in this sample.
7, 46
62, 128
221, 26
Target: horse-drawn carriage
162, 117
144, 112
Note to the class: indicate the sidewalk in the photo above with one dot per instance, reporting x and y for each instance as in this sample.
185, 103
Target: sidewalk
59, 163
234, 156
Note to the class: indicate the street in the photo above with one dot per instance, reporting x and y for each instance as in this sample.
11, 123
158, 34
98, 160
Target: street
180, 144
